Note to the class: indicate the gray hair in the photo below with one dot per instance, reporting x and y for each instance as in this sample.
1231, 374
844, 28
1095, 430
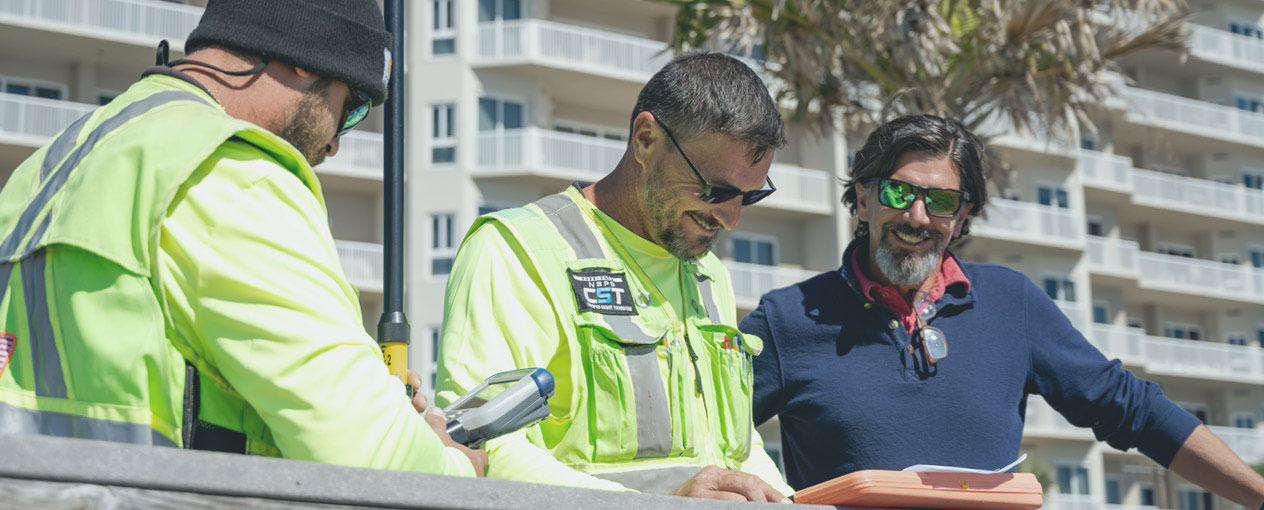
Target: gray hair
708, 92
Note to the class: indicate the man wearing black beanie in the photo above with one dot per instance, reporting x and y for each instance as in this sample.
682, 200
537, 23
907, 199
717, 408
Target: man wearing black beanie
170, 274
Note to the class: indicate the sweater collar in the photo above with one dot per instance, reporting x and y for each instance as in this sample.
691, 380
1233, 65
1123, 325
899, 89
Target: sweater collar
956, 292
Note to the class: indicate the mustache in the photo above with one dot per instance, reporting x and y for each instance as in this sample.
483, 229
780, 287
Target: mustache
710, 223
909, 230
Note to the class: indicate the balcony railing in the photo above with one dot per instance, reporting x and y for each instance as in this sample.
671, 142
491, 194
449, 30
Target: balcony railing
1198, 195
562, 155
137, 20
1204, 360
359, 153
1222, 45
1074, 312
1032, 223
1041, 420
33, 120
1119, 342
750, 281
1247, 443
1199, 117
1109, 171
1205, 277
572, 47
800, 188
362, 263
1117, 257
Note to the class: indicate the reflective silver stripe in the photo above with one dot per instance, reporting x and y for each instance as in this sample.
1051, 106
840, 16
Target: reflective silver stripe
9, 247
565, 215
17, 420
653, 413
653, 481
61, 146
49, 381
652, 408
708, 298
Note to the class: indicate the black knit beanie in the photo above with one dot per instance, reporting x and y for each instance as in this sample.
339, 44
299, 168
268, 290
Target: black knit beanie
345, 40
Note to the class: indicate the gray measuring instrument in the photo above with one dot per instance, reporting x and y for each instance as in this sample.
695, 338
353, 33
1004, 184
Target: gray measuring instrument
505, 402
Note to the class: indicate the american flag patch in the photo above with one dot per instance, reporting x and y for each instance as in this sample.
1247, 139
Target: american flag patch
7, 342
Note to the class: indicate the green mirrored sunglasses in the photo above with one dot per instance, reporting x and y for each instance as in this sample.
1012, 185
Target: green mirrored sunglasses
941, 202
356, 110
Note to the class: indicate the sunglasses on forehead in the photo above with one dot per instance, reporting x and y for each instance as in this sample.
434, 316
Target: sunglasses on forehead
715, 193
357, 108
941, 202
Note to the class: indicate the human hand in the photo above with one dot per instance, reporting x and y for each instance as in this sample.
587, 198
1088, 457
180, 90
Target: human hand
714, 482
434, 417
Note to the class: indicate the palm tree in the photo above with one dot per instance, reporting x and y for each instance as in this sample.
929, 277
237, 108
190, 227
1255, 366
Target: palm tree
1041, 64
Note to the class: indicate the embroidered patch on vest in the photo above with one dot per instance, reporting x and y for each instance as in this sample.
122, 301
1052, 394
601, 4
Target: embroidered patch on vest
7, 343
602, 291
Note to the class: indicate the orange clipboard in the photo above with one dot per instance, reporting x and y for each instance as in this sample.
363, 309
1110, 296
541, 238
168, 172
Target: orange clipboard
903, 489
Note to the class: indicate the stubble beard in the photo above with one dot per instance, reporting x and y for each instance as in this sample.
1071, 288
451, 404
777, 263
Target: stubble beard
665, 225
305, 126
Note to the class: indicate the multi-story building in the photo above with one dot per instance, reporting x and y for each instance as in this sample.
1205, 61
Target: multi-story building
1148, 233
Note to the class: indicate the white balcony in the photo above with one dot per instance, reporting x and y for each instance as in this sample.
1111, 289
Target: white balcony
547, 153
1075, 313
1247, 443
1107, 171
570, 47
31, 121
1027, 222
1195, 117
1119, 342
750, 281
359, 155
1226, 47
1204, 360
142, 22
1198, 196
800, 189
1114, 257
362, 263
1042, 421
1202, 277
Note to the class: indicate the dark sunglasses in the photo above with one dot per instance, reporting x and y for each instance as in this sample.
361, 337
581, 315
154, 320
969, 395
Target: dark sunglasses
941, 202
715, 193
356, 110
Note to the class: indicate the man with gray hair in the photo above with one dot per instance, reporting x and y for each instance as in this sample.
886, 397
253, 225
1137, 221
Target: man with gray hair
613, 288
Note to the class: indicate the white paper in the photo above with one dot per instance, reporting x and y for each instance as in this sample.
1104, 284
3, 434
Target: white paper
930, 468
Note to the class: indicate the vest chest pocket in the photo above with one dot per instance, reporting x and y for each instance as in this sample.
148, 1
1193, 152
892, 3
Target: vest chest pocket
731, 353
629, 413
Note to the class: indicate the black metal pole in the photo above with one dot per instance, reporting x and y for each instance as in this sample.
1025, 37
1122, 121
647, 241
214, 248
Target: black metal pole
392, 327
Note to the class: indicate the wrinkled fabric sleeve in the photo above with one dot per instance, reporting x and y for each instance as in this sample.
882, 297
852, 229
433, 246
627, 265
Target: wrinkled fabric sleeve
497, 317
253, 283
1089, 390
767, 366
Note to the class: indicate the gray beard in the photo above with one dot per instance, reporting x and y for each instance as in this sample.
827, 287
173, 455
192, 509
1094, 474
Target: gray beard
906, 269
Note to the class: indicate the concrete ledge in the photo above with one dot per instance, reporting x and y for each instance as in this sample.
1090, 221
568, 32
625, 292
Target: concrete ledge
41, 471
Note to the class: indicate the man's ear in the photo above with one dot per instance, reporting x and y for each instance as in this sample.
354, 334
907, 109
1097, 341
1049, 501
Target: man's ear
962, 215
645, 133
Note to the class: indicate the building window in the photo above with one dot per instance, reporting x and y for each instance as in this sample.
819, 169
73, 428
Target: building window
1194, 498
1095, 227
1147, 495
1049, 195
492, 10
1259, 335
1136, 323
616, 134
1198, 410
435, 333
105, 96
1112, 491
498, 115
1235, 338
1256, 254
443, 29
1230, 258
1180, 330
1072, 479
754, 249
1246, 29
34, 88
1088, 143
1244, 421
1175, 250
443, 243
1249, 104
1254, 180
443, 134
1060, 289
1101, 312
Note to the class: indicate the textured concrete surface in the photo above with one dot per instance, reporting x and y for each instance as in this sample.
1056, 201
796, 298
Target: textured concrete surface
75, 466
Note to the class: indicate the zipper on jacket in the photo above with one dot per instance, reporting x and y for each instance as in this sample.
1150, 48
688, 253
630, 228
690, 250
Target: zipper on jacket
693, 360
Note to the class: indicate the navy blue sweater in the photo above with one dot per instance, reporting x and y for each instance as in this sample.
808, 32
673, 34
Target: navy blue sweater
851, 397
